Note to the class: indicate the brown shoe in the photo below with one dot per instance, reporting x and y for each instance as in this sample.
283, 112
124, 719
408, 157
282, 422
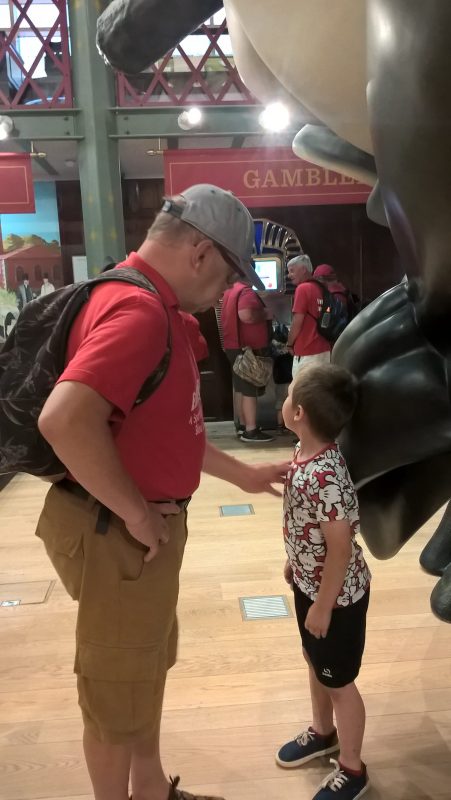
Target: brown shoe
178, 794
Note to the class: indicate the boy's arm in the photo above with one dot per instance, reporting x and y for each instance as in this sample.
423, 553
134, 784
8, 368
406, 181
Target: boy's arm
338, 542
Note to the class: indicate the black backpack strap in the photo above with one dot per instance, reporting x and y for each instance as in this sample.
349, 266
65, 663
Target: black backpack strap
238, 318
137, 278
325, 292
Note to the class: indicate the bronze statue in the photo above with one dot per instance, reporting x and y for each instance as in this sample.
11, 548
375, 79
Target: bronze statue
373, 81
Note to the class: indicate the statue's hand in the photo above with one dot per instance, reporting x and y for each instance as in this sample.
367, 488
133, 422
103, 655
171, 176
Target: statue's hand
398, 444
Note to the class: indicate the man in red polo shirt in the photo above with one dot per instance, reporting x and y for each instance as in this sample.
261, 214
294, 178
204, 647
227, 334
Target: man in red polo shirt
244, 322
304, 340
115, 529
197, 339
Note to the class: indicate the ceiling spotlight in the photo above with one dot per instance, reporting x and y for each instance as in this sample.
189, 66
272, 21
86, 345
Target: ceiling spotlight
6, 127
190, 118
275, 117
70, 163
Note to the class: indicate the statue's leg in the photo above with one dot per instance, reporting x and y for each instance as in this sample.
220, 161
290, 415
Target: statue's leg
441, 597
409, 100
136, 33
436, 556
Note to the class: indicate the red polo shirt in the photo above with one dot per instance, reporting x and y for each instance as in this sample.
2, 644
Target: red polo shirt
236, 333
115, 343
308, 300
197, 340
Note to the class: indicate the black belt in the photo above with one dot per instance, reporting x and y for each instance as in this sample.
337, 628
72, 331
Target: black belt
104, 515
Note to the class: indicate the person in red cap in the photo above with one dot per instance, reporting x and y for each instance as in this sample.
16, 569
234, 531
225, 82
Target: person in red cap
115, 527
327, 275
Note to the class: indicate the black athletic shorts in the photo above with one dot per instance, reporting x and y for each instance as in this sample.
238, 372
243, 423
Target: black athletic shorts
336, 659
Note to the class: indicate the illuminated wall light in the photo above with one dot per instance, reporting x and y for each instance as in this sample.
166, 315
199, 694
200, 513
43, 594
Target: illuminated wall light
275, 117
190, 118
6, 127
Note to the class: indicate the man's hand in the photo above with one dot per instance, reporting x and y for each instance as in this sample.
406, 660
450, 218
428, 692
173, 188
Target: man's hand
252, 479
153, 529
317, 621
260, 477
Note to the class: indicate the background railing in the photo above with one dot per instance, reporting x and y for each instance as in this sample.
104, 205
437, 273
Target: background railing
35, 69
199, 71
34, 54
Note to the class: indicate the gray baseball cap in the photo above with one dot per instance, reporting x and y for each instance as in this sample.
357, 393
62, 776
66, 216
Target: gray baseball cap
224, 219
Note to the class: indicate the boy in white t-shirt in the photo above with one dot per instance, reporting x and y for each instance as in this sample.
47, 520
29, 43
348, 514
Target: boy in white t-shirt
329, 575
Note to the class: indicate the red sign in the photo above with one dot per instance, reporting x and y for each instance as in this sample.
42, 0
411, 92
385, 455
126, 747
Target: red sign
261, 177
16, 184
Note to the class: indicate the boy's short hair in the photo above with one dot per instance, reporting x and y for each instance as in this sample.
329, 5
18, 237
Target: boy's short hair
328, 395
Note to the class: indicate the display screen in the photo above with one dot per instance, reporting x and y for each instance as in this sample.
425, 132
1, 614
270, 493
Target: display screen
268, 270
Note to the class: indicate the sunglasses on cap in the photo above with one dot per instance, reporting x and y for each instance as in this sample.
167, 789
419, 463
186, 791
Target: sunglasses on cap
228, 259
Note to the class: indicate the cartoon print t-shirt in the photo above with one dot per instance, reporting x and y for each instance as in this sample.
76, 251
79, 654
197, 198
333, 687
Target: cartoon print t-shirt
321, 490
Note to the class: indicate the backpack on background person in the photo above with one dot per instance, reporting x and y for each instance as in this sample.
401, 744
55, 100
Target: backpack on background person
334, 315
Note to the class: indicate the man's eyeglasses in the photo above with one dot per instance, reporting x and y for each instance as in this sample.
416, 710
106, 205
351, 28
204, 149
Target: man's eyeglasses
228, 259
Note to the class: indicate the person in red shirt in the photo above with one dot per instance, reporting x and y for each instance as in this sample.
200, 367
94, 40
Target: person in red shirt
244, 322
115, 527
197, 339
304, 341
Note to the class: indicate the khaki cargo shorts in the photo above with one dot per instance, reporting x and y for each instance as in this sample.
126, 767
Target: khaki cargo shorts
126, 637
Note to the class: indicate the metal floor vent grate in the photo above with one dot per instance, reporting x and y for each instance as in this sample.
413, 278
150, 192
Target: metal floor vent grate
24, 594
237, 510
270, 607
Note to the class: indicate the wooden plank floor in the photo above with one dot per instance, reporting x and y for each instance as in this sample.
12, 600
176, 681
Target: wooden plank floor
239, 689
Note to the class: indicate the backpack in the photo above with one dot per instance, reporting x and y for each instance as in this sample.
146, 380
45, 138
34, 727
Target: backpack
333, 317
31, 361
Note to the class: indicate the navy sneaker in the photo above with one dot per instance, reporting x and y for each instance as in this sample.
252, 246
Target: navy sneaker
256, 436
342, 785
306, 746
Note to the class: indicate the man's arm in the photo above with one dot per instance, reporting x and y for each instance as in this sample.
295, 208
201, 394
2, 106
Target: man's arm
252, 315
251, 309
250, 478
75, 422
295, 329
338, 541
